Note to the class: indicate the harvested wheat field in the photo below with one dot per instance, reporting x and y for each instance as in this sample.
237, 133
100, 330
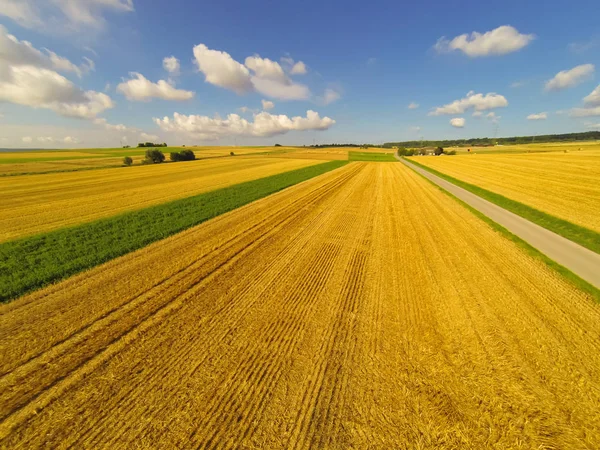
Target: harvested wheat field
564, 185
38, 203
329, 315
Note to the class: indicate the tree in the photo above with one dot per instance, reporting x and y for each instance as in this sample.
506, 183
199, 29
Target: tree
231, 154
277, 145
154, 156
439, 151
175, 156
127, 161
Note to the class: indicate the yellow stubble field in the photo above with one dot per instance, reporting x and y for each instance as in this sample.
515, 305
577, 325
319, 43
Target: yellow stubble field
329, 315
40, 203
564, 185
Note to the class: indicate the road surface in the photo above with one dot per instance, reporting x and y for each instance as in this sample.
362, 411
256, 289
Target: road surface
579, 260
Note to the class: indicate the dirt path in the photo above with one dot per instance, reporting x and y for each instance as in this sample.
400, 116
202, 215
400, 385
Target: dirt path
579, 260
360, 309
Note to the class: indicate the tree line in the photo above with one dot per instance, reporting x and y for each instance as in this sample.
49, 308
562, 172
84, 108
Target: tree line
481, 142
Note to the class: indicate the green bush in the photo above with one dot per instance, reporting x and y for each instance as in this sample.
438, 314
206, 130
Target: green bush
154, 156
127, 161
184, 155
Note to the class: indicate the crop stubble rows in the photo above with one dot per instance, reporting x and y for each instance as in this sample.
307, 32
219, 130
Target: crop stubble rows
331, 314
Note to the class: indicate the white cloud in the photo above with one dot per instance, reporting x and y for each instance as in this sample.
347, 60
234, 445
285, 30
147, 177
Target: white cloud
171, 65
264, 125
27, 77
539, 116
569, 78
415, 129
298, 69
518, 84
594, 98
582, 47
457, 122
68, 15
45, 139
294, 68
329, 96
222, 70
145, 137
500, 41
491, 116
593, 125
585, 112
138, 88
478, 102
413, 105
120, 127
267, 77
27, 139
266, 105
71, 140
477, 114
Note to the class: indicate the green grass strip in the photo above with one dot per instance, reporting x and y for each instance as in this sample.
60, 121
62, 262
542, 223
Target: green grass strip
34, 262
576, 281
582, 236
368, 156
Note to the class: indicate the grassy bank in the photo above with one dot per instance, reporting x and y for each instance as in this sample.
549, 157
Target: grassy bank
33, 262
582, 236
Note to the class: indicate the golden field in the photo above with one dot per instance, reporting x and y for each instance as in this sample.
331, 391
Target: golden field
530, 148
39, 203
564, 185
328, 315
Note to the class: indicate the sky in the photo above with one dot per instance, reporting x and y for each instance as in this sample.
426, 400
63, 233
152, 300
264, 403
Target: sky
107, 73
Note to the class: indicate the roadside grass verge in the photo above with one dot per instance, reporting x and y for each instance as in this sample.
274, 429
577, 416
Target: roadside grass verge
376, 157
576, 281
37, 261
578, 234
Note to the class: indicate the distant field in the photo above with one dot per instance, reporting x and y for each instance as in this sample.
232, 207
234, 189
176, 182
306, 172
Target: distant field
45, 161
371, 156
531, 148
360, 309
564, 185
39, 203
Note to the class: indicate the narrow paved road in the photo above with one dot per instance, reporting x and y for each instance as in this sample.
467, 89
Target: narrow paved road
579, 260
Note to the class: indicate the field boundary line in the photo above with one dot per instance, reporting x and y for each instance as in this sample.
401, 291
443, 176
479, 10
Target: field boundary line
576, 233
578, 264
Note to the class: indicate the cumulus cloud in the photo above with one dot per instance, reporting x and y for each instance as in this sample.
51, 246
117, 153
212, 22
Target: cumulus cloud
257, 74
329, 96
594, 98
171, 65
478, 102
45, 139
500, 41
585, 112
457, 122
138, 88
266, 105
222, 70
477, 114
29, 77
593, 125
71, 140
298, 69
68, 15
119, 127
264, 125
145, 137
294, 68
27, 139
569, 78
413, 105
539, 116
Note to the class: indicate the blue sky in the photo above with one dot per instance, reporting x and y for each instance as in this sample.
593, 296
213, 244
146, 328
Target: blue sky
334, 71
